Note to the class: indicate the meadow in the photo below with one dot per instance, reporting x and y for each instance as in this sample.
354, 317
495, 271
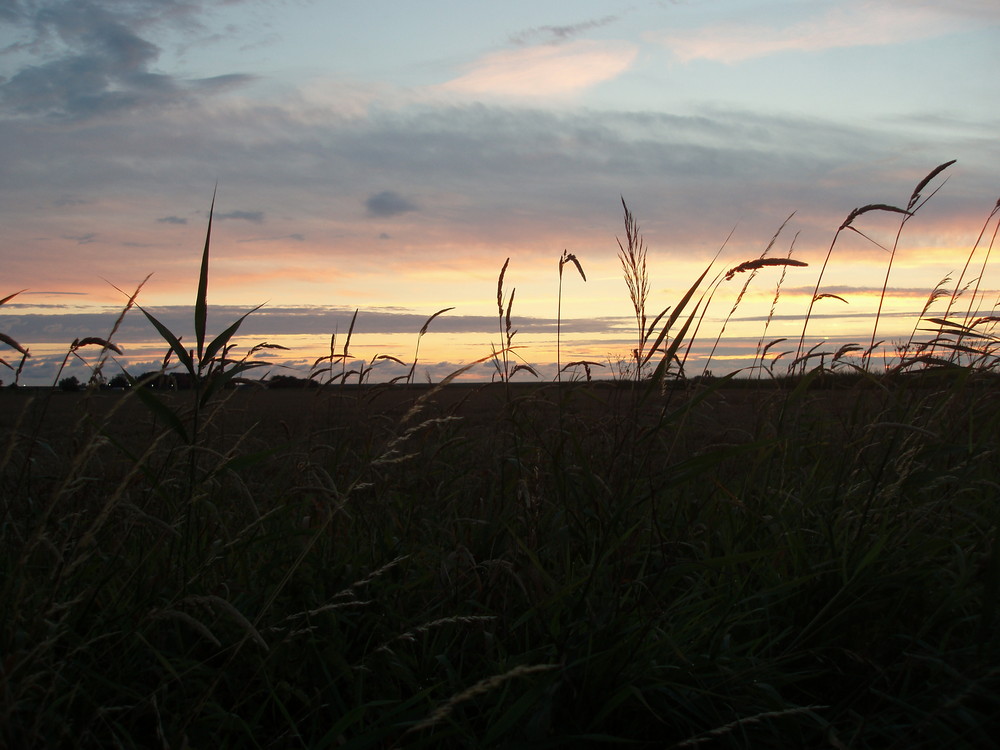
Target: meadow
805, 554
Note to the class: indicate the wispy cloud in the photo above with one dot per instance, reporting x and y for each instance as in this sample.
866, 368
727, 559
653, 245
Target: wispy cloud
545, 71
559, 34
497, 177
68, 201
854, 24
294, 236
219, 84
51, 294
61, 325
172, 220
255, 217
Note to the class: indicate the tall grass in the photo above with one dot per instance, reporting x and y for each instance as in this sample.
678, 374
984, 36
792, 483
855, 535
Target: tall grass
913, 205
567, 257
676, 563
632, 256
801, 356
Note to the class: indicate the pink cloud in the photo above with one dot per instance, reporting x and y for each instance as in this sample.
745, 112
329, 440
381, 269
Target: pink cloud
544, 71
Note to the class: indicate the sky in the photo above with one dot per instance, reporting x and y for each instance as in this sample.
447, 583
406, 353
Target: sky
389, 157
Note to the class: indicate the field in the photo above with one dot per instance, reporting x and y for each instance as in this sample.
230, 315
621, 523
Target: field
484, 566
801, 560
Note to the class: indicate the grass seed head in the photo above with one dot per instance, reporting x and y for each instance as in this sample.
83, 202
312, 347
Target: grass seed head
13, 344
96, 341
872, 207
753, 265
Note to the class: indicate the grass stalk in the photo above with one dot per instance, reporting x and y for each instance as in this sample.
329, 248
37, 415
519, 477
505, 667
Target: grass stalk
847, 224
632, 256
912, 206
567, 257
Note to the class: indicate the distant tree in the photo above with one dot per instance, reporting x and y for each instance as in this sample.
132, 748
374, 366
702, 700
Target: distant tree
171, 381
290, 381
152, 379
70, 384
119, 381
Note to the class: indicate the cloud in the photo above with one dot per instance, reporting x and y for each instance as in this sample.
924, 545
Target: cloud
59, 325
388, 203
294, 236
544, 71
981, 11
88, 59
855, 24
101, 65
218, 84
474, 181
256, 217
67, 201
50, 294
559, 34
172, 220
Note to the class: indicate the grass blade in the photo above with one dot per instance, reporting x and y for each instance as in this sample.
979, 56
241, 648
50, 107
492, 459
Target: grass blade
175, 344
201, 301
223, 338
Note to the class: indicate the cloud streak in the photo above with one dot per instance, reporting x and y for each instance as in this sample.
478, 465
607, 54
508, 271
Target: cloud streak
61, 326
470, 184
854, 24
544, 71
559, 34
254, 217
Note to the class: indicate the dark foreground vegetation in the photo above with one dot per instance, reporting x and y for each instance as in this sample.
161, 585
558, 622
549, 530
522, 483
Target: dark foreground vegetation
661, 561
482, 567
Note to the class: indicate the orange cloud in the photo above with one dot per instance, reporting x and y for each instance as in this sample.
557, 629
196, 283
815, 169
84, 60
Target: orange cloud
544, 71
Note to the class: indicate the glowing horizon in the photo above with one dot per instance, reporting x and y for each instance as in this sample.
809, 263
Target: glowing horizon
771, 307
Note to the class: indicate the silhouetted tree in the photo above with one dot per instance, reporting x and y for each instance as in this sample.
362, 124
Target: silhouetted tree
70, 384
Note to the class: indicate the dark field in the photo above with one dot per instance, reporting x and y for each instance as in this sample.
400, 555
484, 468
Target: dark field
719, 564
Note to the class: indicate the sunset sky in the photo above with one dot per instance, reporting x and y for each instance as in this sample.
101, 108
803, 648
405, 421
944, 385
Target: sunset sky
390, 156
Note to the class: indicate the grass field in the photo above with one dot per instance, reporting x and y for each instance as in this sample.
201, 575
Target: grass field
745, 566
809, 560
